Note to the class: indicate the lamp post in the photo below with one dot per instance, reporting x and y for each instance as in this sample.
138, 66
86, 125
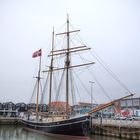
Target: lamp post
91, 82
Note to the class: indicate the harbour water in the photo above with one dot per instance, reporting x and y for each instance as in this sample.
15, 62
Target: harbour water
13, 132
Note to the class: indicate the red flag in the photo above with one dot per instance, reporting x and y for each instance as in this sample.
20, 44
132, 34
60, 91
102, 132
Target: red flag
37, 53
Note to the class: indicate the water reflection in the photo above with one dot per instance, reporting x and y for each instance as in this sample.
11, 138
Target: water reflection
13, 132
8, 132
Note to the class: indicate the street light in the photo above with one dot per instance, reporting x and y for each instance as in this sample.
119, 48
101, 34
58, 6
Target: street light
91, 82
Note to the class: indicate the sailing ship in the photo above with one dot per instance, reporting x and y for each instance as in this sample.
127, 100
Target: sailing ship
61, 122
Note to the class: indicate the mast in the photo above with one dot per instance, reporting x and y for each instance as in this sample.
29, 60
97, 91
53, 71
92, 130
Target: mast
38, 87
67, 63
51, 70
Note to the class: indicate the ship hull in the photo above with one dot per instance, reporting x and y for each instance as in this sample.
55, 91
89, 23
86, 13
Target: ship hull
74, 127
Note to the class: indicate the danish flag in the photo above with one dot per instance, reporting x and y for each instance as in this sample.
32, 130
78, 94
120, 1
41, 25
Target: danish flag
37, 53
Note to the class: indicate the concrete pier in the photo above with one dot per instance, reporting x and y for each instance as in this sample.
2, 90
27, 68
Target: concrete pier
9, 120
117, 128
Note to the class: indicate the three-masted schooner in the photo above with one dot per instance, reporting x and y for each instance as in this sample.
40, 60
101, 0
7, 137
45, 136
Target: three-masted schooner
62, 123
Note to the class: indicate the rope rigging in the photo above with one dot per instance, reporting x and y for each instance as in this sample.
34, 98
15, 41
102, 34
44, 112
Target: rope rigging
44, 90
114, 76
101, 87
110, 72
59, 87
104, 65
33, 93
72, 88
84, 87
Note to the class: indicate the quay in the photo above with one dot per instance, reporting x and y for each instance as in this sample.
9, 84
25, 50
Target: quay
9, 120
116, 128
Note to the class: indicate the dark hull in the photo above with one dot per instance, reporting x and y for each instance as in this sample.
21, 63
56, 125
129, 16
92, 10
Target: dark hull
75, 127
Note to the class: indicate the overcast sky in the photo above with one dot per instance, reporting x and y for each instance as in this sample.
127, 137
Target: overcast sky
110, 27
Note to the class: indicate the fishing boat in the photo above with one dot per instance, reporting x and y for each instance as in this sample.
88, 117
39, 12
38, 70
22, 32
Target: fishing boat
60, 118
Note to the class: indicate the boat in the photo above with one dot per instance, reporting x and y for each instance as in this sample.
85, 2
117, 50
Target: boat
64, 122
60, 119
